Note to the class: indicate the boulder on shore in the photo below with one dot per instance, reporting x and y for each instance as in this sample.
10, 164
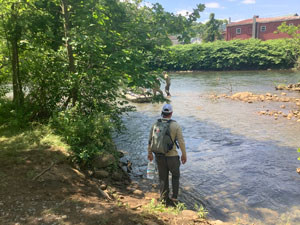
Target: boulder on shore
103, 160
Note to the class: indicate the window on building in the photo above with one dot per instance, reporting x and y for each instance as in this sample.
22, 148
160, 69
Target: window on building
238, 31
263, 28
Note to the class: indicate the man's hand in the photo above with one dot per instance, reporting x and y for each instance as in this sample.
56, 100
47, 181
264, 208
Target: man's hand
183, 159
150, 157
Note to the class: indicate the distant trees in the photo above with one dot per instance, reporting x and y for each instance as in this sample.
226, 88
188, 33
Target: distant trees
210, 31
198, 29
213, 29
178, 25
294, 32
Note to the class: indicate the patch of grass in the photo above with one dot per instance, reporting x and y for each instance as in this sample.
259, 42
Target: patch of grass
202, 212
118, 200
179, 207
36, 137
159, 207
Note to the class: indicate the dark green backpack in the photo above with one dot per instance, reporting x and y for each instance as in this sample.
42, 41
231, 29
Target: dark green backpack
161, 141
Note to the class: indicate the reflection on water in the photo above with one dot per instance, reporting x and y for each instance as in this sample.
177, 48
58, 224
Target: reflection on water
240, 165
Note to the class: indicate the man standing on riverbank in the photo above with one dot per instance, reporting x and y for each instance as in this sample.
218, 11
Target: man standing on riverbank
169, 161
168, 83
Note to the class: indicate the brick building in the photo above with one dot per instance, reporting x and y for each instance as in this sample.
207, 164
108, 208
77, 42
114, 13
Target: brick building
261, 28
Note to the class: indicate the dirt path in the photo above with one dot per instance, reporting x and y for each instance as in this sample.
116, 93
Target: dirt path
64, 195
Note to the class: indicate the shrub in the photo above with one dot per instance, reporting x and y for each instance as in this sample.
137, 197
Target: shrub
12, 117
87, 135
251, 54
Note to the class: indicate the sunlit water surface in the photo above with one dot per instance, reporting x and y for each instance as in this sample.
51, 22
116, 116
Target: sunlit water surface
241, 166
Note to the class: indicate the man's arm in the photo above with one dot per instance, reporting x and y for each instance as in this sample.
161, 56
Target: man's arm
150, 154
181, 143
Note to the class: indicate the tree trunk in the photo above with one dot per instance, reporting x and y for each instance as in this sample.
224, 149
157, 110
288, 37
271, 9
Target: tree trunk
74, 89
18, 96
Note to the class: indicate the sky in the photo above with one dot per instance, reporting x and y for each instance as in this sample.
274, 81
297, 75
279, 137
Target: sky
235, 9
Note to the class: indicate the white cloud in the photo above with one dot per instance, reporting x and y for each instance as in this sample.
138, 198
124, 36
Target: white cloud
249, 1
213, 5
184, 12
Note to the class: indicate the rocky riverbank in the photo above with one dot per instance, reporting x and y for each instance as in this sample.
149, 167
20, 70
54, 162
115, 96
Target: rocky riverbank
289, 109
290, 87
140, 197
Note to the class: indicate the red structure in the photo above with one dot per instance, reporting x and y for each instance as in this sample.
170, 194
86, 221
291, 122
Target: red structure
261, 28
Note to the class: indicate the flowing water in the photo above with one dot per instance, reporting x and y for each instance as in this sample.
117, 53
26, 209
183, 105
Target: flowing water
241, 166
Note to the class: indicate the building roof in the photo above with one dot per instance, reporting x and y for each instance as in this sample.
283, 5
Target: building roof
265, 20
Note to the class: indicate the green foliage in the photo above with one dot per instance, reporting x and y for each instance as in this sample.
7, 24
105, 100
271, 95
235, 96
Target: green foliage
197, 29
180, 206
4, 70
158, 207
12, 118
164, 23
72, 61
86, 135
44, 72
249, 54
201, 211
212, 30
14, 141
293, 32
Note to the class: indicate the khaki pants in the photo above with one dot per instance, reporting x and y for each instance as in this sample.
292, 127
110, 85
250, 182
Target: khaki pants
165, 165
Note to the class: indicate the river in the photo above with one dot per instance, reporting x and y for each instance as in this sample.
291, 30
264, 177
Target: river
241, 166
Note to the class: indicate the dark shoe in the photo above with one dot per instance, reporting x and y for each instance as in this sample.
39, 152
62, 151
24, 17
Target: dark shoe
172, 202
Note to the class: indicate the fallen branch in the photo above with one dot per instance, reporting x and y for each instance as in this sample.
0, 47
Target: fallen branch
44, 171
104, 194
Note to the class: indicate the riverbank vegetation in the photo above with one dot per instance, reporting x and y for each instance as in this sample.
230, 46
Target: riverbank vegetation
217, 55
251, 54
70, 63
